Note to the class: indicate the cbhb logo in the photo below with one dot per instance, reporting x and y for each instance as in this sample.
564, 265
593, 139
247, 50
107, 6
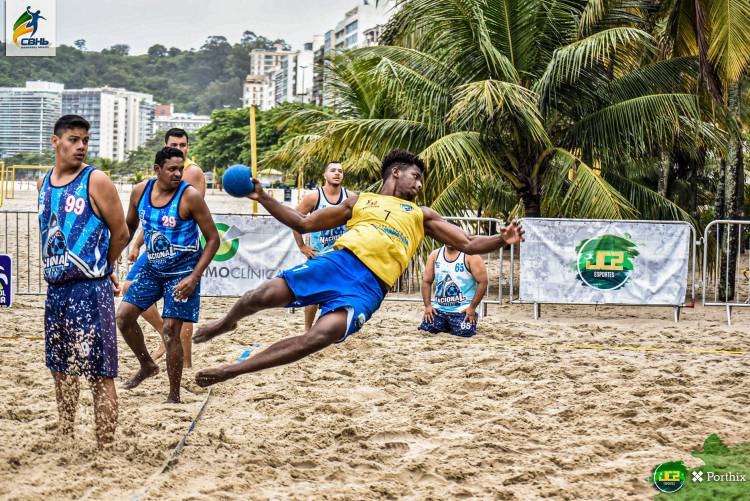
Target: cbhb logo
6, 276
28, 22
30, 28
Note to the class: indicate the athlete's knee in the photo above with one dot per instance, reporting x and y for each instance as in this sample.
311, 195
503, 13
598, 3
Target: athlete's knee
320, 337
125, 317
265, 296
171, 331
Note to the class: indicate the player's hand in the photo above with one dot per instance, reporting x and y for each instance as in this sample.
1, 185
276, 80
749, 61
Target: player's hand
309, 252
257, 192
429, 314
512, 234
133, 255
470, 315
115, 283
186, 287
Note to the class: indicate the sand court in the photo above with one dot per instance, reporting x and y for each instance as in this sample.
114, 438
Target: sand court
396, 413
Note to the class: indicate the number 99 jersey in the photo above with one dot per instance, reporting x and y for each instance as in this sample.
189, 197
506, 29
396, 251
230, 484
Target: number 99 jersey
74, 240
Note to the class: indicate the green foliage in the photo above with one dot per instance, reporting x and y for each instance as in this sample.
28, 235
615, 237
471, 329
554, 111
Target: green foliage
717, 458
194, 80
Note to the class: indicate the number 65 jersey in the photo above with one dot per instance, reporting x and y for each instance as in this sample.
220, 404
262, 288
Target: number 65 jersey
172, 243
74, 240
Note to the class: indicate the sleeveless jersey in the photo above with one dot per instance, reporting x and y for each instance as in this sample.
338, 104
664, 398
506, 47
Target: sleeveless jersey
384, 232
454, 285
322, 240
172, 243
74, 240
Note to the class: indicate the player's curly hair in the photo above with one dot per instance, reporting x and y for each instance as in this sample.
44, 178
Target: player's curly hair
401, 159
166, 153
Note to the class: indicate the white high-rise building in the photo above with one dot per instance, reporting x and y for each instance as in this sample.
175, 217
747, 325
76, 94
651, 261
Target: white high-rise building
27, 117
121, 120
362, 25
288, 76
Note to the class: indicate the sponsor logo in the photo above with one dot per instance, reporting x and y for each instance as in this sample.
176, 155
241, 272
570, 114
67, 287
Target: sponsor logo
30, 27
670, 477
606, 262
407, 207
227, 248
6, 275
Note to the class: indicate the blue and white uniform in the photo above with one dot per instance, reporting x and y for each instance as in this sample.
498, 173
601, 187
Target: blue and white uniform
79, 314
172, 252
455, 288
325, 239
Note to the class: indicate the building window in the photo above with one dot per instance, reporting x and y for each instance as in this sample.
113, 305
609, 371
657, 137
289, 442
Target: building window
351, 27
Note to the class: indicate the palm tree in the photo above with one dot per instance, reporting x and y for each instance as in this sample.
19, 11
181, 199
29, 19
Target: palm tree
552, 101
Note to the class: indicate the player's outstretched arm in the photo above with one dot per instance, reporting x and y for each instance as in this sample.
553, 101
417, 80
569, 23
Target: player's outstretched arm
323, 219
107, 204
447, 233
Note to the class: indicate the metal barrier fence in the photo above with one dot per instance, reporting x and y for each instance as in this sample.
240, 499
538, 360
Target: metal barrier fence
515, 276
726, 246
410, 282
19, 237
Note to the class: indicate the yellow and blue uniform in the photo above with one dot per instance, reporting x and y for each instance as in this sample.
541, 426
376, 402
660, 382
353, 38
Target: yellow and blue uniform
172, 251
79, 312
382, 235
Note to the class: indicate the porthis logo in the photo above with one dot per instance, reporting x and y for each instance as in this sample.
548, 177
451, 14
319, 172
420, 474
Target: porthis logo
30, 28
606, 262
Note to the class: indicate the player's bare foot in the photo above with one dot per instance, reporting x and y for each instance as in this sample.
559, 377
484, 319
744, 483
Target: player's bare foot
173, 399
213, 375
144, 372
212, 329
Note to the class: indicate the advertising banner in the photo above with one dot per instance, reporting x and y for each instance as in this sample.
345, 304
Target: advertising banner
252, 251
604, 262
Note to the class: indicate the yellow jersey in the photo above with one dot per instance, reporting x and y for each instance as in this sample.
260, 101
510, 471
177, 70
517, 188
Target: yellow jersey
384, 232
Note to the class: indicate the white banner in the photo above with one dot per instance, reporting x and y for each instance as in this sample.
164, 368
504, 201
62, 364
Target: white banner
252, 251
30, 27
604, 262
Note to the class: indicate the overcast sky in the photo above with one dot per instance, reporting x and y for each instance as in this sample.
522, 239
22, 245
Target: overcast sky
186, 23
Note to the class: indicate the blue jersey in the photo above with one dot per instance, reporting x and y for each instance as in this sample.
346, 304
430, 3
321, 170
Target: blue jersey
455, 286
325, 239
172, 243
75, 241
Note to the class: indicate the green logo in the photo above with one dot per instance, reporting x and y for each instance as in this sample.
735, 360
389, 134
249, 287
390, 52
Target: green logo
606, 262
227, 249
670, 477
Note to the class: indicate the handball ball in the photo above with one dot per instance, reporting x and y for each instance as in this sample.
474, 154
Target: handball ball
237, 181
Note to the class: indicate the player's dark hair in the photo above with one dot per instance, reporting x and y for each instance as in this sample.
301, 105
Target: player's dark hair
67, 122
165, 154
176, 132
401, 159
331, 163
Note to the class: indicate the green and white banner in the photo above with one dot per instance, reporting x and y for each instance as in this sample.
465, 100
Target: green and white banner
253, 250
604, 262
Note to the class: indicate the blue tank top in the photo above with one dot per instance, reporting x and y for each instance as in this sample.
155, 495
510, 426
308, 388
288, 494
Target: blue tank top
172, 243
325, 239
74, 240
455, 286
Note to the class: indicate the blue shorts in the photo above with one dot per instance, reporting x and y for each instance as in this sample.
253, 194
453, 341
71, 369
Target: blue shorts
449, 322
80, 337
337, 280
150, 285
133, 272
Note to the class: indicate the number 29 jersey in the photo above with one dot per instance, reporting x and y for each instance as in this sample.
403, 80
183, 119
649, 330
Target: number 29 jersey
172, 243
74, 240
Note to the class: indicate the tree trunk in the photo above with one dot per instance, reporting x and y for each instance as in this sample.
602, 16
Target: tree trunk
734, 199
665, 166
696, 168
